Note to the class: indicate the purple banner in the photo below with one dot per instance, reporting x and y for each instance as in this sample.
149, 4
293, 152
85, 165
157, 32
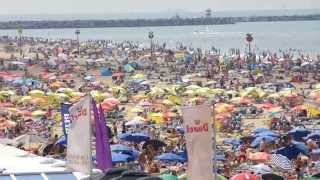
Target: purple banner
103, 151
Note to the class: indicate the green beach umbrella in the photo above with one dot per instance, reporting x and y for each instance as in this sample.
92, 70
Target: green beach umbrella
169, 177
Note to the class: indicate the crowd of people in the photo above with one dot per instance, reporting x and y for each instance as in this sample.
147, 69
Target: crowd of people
266, 105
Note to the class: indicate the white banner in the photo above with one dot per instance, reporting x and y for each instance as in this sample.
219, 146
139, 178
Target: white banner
198, 134
79, 137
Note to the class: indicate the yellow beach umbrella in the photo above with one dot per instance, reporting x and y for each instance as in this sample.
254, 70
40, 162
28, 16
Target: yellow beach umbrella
193, 87
38, 113
156, 91
7, 93
217, 91
138, 76
175, 99
137, 109
26, 99
76, 94
189, 92
167, 102
36, 93
13, 110
157, 117
39, 101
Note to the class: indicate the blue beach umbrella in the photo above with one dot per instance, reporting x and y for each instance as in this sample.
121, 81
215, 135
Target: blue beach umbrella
301, 147
105, 72
120, 148
260, 130
170, 157
314, 136
62, 140
255, 143
268, 133
233, 142
136, 137
299, 133
119, 158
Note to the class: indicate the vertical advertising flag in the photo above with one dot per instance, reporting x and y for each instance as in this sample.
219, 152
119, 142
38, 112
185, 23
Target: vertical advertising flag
79, 137
65, 117
199, 134
103, 153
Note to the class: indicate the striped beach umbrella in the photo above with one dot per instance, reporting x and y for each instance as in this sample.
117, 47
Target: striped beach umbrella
281, 162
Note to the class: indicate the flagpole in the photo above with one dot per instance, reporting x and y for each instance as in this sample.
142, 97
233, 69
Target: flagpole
214, 141
90, 138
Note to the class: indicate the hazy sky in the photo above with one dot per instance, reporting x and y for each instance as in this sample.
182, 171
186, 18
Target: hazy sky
125, 6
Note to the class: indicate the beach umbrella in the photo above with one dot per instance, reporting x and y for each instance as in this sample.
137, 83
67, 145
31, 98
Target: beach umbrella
217, 91
120, 148
38, 113
193, 87
245, 176
301, 147
155, 143
260, 130
169, 177
271, 176
135, 137
138, 76
223, 108
35, 93
233, 142
261, 169
314, 136
298, 133
157, 117
291, 152
137, 109
259, 156
62, 140
119, 158
189, 92
268, 133
170, 157
57, 84
105, 72
7, 93
259, 139
168, 102
135, 122
281, 162
128, 68
134, 154
156, 91
249, 138
113, 101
